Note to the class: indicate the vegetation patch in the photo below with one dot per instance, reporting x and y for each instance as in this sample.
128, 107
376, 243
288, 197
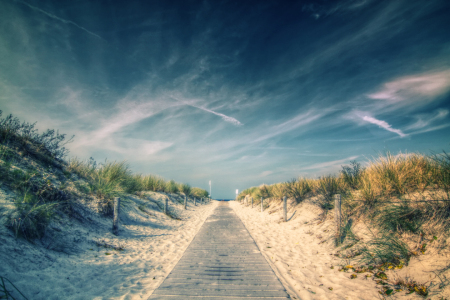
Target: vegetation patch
42, 183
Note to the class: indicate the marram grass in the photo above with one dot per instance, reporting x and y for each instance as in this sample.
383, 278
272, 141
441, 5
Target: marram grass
39, 199
398, 195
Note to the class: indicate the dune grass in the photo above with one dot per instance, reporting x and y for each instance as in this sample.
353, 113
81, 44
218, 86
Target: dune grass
299, 188
395, 194
198, 192
42, 194
48, 146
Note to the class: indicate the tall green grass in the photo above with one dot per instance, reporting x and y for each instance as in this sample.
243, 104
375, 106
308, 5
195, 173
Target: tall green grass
185, 189
171, 187
298, 188
112, 179
38, 199
327, 186
199, 193
31, 217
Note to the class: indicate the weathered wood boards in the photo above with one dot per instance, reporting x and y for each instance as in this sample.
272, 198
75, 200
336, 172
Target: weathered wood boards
222, 262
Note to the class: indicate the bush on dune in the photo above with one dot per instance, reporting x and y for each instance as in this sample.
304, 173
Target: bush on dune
47, 146
39, 199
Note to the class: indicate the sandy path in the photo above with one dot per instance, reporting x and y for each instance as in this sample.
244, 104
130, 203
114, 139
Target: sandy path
153, 245
302, 255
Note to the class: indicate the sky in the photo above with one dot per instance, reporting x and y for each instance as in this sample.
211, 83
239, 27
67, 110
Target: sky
237, 92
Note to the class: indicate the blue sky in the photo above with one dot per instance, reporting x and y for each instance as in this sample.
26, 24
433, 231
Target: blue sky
237, 92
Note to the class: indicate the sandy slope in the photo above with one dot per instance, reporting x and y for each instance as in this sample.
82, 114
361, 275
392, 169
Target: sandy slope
77, 266
302, 250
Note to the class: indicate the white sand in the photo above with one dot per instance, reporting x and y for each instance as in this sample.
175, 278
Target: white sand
77, 268
301, 252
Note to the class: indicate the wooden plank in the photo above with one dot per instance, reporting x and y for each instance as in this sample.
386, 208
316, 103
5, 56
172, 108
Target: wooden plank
219, 292
194, 281
242, 286
222, 262
246, 272
165, 297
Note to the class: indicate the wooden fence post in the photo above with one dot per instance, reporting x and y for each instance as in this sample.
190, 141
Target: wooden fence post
185, 201
262, 202
115, 228
252, 202
195, 201
166, 202
285, 208
337, 207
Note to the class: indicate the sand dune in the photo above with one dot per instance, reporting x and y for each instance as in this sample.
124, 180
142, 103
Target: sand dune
302, 253
76, 261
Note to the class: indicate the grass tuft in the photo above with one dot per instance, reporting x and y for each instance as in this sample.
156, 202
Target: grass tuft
327, 186
386, 248
43, 191
401, 218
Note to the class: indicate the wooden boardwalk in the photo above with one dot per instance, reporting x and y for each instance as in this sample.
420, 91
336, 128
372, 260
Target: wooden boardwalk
222, 262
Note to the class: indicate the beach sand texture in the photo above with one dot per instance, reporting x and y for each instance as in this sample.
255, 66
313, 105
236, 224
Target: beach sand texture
79, 264
78, 260
302, 254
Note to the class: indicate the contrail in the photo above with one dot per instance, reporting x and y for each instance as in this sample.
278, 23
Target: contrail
383, 124
59, 19
224, 117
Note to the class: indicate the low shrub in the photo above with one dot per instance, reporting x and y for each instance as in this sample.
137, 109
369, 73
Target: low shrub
352, 174
47, 145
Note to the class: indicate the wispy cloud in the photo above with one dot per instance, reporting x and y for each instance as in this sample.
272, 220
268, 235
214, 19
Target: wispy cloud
224, 117
434, 128
59, 19
384, 125
318, 10
426, 85
265, 173
424, 120
294, 123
